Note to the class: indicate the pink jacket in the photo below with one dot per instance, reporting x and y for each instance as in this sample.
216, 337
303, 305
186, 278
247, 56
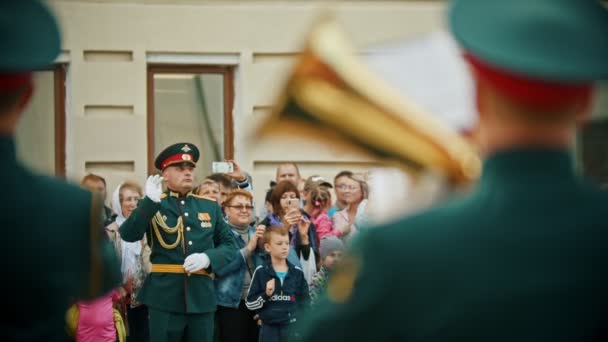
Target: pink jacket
324, 226
96, 319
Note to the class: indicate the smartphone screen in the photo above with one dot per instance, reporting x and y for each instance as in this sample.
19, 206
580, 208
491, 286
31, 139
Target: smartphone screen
293, 203
222, 167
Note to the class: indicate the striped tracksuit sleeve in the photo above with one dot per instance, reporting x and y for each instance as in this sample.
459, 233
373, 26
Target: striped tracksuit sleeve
256, 296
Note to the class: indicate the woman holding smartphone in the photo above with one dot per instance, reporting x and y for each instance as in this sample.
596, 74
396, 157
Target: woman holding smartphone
285, 201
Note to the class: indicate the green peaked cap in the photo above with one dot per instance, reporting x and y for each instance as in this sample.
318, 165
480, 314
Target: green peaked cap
560, 40
29, 36
179, 153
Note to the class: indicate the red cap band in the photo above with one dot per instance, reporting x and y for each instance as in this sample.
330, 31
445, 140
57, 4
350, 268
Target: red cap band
14, 81
177, 158
533, 92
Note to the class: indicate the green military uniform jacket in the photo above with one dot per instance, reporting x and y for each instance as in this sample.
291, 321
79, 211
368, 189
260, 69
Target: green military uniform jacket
203, 229
54, 251
523, 258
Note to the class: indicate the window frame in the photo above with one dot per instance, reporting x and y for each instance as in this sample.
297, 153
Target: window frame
228, 80
59, 73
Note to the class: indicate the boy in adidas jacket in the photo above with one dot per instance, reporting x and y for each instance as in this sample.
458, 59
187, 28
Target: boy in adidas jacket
277, 290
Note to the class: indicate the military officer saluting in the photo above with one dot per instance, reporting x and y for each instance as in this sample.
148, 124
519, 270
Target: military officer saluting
524, 256
53, 246
189, 239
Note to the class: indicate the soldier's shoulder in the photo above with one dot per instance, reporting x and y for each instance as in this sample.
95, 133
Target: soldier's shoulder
204, 198
54, 201
591, 199
595, 193
54, 188
427, 221
402, 236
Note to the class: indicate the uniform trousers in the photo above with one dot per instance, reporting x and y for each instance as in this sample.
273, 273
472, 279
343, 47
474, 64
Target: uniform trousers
139, 330
180, 327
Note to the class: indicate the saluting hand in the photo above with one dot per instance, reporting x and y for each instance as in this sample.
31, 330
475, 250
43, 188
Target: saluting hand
270, 287
154, 188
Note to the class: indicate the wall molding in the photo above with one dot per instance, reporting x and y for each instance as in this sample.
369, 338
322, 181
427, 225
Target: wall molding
193, 58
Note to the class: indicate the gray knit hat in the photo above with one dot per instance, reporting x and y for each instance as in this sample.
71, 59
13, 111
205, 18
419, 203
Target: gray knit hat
330, 244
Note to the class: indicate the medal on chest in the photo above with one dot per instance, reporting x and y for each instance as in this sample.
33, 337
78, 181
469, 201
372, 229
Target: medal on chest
205, 219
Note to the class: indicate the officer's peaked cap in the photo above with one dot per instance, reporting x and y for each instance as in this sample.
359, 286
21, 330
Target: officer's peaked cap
29, 36
554, 40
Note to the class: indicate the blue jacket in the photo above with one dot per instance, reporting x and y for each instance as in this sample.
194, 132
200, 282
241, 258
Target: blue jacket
230, 278
287, 298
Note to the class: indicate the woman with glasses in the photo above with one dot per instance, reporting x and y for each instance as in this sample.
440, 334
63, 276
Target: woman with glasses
338, 186
235, 321
354, 191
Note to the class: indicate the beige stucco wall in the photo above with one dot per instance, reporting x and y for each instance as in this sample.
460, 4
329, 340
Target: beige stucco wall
262, 37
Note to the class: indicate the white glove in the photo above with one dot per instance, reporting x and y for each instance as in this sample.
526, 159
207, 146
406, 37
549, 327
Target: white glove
154, 188
196, 262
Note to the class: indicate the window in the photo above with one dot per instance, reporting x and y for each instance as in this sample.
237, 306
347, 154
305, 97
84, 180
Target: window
40, 136
191, 104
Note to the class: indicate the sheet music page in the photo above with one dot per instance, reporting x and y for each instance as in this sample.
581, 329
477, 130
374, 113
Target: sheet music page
430, 71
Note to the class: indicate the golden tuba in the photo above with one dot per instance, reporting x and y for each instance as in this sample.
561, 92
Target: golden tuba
331, 96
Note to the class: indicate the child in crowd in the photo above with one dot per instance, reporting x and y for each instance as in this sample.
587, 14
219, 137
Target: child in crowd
267, 209
320, 203
331, 254
96, 319
277, 290
211, 189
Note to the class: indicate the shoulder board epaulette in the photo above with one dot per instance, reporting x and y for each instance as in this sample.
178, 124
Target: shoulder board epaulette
204, 197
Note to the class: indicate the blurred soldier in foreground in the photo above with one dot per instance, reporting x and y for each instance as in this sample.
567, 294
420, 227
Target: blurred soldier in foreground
53, 248
523, 257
